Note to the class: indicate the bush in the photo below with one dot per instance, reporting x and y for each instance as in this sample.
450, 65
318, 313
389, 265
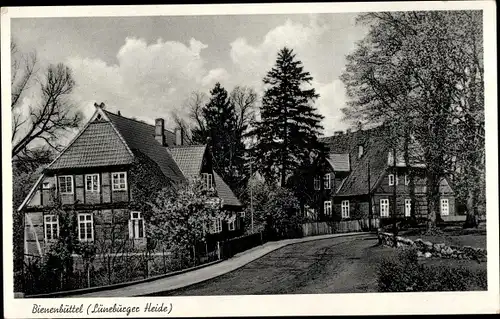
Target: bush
404, 273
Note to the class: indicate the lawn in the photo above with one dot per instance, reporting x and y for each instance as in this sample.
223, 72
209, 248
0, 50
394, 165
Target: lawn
452, 236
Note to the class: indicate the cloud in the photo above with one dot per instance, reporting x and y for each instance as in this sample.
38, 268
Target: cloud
332, 99
149, 79
214, 76
305, 39
154, 79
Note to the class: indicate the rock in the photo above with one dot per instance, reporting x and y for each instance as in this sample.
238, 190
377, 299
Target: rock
427, 255
419, 253
448, 251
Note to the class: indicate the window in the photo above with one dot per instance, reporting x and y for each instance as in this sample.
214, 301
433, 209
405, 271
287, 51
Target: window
136, 228
326, 181
407, 179
207, 179
119, 181
242, 214
92, 183
445, 207
85, 227
391, 179
360, 151
317, 183
66, 184
51, 227
216, 226
345, 209
328, 207
384, 208
46, 185
231, 223
407, 207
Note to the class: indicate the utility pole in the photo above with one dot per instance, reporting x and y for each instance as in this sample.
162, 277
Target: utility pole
251, 195
369, 200
394, 195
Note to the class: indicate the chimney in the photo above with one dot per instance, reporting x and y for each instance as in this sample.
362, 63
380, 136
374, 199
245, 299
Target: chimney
337, 133
119, 113
160, 131
348, 131
179, 136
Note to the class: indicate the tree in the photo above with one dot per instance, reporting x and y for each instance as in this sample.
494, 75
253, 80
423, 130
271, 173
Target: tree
287, 132
244, 100
48, 117
180, 217
195, 103
221, 125
275, 211
412, 69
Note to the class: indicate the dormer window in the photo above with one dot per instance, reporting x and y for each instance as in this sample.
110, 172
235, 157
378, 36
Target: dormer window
360, 151
208, 180
317, 183
326, 181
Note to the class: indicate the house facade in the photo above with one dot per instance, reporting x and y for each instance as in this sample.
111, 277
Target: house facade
360, 180
103, 176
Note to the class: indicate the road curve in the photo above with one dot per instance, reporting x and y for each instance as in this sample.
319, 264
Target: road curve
334, 265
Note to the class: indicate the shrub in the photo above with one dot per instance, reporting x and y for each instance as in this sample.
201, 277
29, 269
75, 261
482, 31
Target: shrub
404, 273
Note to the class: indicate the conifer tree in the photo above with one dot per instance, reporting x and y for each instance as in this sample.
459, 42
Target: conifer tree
286, 135
223, 135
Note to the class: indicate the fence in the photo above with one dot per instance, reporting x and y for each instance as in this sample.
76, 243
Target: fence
36, 278
231, 247
325, 228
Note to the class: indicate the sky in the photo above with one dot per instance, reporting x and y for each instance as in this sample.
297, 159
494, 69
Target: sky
147, 67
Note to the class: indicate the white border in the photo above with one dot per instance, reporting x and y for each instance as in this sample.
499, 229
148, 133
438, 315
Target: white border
318, 304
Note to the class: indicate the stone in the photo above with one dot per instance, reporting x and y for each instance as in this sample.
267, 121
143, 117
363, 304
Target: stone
419, 253
427, 255
448, 251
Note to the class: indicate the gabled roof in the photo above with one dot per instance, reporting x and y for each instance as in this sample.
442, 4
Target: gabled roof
140, 137
374, 156
98, 144
189, 158
224, 192
339, 162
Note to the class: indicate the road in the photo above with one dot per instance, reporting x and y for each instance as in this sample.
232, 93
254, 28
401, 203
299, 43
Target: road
335, 265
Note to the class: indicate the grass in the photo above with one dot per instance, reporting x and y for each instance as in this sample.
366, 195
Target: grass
452, 236
407, 273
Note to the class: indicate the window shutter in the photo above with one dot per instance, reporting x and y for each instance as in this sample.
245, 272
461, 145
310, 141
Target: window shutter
130, 229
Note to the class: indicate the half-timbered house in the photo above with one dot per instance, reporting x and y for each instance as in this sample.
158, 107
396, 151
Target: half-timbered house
103, 173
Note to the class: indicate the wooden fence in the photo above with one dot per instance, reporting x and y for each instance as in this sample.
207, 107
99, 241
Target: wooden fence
324, 228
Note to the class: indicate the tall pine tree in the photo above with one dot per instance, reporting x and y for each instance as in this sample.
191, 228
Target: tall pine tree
286, 135
226, 143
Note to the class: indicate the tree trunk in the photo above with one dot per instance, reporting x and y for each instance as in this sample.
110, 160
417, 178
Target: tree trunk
471, 220
432, 201
394, 199
411, 175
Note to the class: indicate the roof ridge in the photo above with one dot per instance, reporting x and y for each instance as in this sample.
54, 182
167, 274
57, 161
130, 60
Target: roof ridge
135, 120
187, 146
